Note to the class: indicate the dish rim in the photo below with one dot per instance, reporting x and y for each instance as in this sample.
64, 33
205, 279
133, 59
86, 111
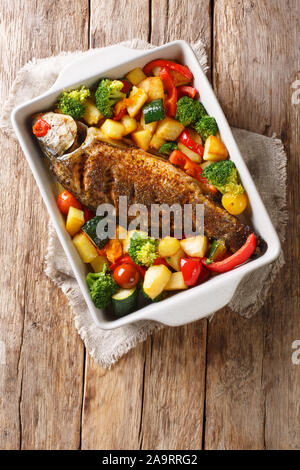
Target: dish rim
151, 311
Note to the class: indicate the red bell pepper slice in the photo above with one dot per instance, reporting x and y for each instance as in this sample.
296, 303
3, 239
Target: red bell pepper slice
205, 273
186, 90
141, 270
88, 215
170, 65
120, 109
170, 102
118, 117
127, 260
191, 168
160, 260
177, 158
101, 251
185, 163
242, 255
126, 86
40, 128
191, 270
186, 139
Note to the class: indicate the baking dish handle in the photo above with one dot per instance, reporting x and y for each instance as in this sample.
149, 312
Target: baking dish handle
212, 298
93, 63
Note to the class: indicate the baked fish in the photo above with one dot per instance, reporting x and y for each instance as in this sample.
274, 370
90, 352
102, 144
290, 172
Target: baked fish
99, 171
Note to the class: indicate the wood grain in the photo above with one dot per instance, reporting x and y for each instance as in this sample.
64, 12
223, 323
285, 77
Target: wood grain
113, 399
183, 341
241, 391
174, 384
118, 20
113, 403
41, 382
234, 397
252, 385
181, 19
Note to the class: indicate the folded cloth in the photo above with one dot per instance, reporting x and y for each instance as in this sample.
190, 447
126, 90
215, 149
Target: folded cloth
265, 158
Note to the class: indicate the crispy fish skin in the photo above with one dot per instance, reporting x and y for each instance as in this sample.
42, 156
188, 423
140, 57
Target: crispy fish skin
99, 172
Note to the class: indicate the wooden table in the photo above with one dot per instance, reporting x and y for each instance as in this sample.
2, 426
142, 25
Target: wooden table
227, 384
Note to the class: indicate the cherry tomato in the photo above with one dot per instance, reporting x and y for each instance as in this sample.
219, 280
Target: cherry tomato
235, 204
88, 215
127, 260
123, 259
126, 276
40, 128
65, 200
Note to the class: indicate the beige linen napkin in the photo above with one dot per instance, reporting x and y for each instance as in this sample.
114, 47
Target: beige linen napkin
263, 156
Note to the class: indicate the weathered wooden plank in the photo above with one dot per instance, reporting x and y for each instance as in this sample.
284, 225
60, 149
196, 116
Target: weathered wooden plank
181, 19
174, 388
41, 382
234, 397
113, 402
118, 20
252, 385
113, 399
281, 314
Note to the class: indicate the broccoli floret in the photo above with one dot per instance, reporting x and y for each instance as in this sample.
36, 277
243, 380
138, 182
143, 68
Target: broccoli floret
167, 148
189, 111
142, 249
107, 95
102, 287
206, 126
72, 102
224, 176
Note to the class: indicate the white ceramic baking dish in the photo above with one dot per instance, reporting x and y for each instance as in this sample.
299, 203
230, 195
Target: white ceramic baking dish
114, 62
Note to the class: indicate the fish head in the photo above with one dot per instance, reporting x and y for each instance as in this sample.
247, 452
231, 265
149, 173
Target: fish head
64, 134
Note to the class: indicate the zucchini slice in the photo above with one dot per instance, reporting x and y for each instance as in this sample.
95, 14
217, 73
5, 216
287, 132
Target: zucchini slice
217, 250
158, 298
90, 228
154, 111
125, 301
